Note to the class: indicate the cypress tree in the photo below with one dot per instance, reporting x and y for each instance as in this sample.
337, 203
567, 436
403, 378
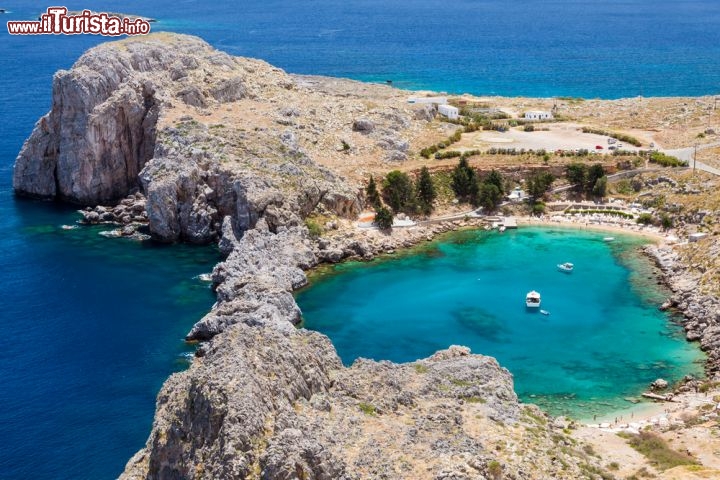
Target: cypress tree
373, 196
425, 191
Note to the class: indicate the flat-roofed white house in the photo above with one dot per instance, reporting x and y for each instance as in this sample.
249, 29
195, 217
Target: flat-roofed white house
430, 100
449, 111
538, 115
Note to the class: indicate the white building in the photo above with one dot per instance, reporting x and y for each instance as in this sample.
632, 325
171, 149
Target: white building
517, 194
538, 115
430, 100
449, 111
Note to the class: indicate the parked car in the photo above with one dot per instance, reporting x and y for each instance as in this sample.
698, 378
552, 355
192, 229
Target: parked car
598, 147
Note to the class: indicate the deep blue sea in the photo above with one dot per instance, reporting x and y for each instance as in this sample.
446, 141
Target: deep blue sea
93, 326
603, 341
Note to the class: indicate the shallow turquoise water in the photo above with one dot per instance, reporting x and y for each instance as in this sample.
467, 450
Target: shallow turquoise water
604, 339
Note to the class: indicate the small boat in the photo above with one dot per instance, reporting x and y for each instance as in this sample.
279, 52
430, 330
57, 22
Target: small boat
566, 267
532, 299
501, 228
608, 239
544, 312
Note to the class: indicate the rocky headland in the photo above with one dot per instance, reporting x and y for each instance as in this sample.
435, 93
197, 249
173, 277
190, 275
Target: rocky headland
167, 134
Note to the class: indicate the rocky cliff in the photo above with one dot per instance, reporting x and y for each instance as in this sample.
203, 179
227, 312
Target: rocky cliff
122, 121
209, 147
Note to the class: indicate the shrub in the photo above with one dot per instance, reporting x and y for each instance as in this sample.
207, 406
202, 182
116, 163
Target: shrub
454, 138
450, 154
529, 127
666, 160
666, 221
657, 451
367, 408
538, 208
645, 219
494, 469
313, 227
620, 136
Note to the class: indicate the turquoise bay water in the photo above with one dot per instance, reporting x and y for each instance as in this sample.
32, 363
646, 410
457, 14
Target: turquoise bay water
604, 339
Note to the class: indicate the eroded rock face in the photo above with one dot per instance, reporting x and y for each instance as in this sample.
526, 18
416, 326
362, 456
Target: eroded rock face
107, 136
100, 131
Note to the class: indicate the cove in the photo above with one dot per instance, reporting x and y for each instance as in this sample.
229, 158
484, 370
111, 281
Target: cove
604, 341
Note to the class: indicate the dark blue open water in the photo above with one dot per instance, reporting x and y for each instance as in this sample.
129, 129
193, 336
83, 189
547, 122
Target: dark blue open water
93, 326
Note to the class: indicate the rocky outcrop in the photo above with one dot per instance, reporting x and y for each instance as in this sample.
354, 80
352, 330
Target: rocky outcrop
106, 136
701, 312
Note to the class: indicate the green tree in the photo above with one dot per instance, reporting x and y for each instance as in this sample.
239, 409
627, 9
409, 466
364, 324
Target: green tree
373, 196
539, 183
594, 173
576, 174
425, 191
496, 179
464, 181
600, 187
398, 191
489, 196
383, 218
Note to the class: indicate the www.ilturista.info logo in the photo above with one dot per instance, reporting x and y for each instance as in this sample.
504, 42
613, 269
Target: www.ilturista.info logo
57, 21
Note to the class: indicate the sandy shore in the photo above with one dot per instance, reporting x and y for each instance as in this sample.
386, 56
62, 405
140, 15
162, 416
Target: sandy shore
653, 235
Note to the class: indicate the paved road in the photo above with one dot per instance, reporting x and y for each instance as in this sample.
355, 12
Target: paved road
688, 153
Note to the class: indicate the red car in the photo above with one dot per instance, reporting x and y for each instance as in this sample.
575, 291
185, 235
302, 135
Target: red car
598, 147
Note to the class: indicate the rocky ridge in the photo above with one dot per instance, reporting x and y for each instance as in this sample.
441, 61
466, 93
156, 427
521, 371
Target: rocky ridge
214, 150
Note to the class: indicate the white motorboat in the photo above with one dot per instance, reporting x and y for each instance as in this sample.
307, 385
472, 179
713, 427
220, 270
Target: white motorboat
566, 267
501, 228
532, 299
609, 239
544, 312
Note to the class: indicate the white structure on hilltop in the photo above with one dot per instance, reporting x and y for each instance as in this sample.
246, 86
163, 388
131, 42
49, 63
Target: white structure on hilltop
430, 100
538, 115
449, 111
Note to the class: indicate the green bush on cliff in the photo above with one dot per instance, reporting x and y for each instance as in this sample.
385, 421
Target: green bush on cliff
313, 227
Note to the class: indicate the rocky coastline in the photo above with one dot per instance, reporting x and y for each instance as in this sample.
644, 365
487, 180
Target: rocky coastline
700, 312
141, 133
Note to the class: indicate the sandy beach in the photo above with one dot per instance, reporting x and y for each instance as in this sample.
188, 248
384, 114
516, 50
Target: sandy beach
583, 224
